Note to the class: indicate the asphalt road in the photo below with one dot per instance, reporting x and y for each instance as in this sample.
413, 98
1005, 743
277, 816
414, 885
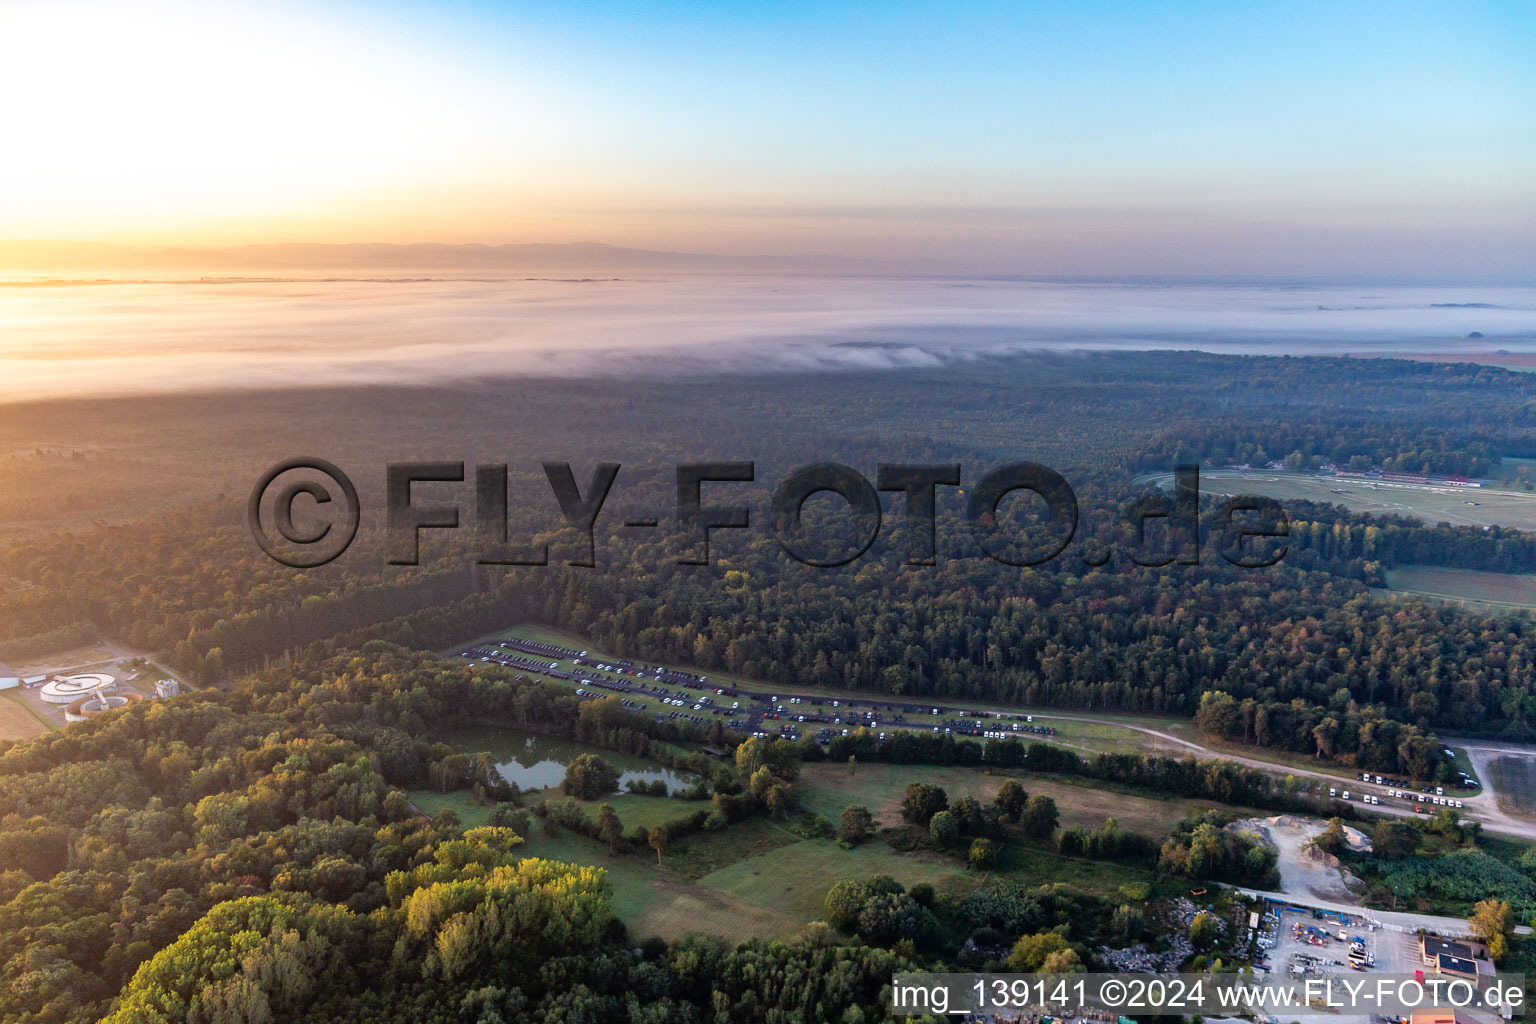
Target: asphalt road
1451, 927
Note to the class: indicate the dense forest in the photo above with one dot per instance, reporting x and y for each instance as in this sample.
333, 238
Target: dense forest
226, 849
1304, 645
1324, 667
218, 856
1318, 665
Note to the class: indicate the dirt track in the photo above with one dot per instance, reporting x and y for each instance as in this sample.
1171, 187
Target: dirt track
1482, 807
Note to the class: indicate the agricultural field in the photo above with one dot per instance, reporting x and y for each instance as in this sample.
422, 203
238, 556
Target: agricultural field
1466, 588
1459, 506
17, 720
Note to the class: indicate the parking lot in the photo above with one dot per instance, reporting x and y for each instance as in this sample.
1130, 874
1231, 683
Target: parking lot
692, 697
1306, 944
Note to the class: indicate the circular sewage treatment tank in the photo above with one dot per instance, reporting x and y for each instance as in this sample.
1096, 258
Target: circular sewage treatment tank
72, 688
86, 707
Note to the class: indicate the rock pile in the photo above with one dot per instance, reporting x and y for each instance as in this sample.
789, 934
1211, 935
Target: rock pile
1138, 958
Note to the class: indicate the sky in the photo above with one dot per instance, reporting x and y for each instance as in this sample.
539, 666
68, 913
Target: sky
1071, 138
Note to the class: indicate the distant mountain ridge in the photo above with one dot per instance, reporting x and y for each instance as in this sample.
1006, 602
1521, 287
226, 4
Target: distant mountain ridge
42, 256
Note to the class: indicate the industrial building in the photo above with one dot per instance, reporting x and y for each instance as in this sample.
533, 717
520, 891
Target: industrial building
68, 689
1457, 967
1433, 947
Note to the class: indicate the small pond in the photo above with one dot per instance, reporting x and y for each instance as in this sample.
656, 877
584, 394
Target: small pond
534, 761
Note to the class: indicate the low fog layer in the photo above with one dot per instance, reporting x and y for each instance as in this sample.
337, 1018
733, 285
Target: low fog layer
106, 338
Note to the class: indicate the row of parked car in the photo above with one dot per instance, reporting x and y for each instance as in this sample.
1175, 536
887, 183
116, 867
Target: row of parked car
1401, 794
1438, 801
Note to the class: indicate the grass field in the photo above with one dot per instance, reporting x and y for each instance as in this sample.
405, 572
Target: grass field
1514, 780
707, 852
682, 895
72, 659
1102, 878
828, 788
758, 878
17, 720
1109, 738
1459, 506
1491, 591
793, 880
631, 809
472, 813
